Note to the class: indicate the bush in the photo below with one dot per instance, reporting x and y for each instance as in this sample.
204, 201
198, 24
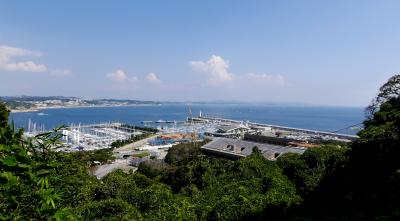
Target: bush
183, 151
152, 168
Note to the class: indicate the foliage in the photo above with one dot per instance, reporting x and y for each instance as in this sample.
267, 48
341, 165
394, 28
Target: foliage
17, 104
152, 168
26, 174
110, 209
364, 185
388, 91
102, 155
4, 112
147, 132
356, 181
141, 155
145, 129
309, 169
131, 139
183, 151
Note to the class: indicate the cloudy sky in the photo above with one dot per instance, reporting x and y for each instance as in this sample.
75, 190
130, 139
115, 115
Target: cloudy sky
318, 52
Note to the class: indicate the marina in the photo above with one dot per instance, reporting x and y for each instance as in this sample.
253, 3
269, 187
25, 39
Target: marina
260, 126
228, 138
169, 132
312, 118
132, 144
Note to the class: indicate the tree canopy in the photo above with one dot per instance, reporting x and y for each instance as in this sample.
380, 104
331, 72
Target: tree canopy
388, 91
4, 112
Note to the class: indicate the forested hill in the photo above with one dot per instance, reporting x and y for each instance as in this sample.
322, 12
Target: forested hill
360, 181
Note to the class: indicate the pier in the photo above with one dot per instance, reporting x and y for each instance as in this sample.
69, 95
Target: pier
205, 119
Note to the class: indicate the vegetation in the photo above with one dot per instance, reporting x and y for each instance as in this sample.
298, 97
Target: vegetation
4, 112
146, 129
141, 155
152, 168
147, 132
390, 90
357, 181
102, 155
183, 151
131, 139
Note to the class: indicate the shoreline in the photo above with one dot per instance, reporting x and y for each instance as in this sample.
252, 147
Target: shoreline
71, 107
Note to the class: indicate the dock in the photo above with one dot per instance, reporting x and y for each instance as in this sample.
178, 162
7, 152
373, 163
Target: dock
204, 119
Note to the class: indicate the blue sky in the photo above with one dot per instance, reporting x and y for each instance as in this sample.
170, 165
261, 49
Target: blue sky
318, 52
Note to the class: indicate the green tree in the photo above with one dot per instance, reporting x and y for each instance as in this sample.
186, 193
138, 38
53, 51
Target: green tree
313, 166
366, 185
4, 113
25, 182
388, 91
152, 168
183, 151
110, 209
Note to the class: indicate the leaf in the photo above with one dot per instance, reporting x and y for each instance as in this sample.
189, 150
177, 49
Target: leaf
10, 161
52, 203
43, 172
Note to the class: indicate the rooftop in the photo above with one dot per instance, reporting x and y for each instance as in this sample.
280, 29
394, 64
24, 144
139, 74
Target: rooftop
240, 148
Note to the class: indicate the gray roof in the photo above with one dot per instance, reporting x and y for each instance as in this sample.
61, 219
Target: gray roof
225, 127
241, 148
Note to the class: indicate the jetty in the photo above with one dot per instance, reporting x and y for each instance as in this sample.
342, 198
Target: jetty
248, 124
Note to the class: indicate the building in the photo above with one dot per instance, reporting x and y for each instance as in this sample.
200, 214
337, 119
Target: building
235, 149
230, 131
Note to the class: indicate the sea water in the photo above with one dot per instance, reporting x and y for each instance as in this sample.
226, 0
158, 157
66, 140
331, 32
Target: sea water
308, 117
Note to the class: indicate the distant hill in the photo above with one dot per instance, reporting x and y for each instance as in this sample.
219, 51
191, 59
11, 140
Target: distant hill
32, 103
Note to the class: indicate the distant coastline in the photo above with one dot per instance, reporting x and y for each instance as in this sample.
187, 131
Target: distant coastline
36, 103
36, 109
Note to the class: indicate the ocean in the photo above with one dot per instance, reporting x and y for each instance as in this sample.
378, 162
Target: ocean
309, 117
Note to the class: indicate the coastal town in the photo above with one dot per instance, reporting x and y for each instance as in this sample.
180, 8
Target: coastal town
36, 103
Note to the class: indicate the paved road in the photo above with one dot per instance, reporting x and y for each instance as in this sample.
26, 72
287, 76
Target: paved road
103, 170
132, 146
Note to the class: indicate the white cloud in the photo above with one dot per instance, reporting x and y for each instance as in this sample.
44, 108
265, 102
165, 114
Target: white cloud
60, 72
216, 68
28, 66
118, 75
152, 78
121, 76
266, 79
7, 54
